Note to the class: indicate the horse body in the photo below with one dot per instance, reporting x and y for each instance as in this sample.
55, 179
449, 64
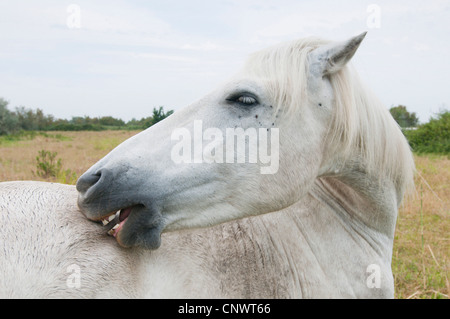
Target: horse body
287, 254
319, 222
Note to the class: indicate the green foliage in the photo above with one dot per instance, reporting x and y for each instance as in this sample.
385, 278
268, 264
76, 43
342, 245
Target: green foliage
24, 119
30, 120
403, 117
110, 121
49, 167
12, 138
67, 177
146, 122
432, 137
8, 120
159, 115
47, 164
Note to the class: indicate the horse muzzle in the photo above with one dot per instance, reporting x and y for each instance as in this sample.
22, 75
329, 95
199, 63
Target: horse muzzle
128, 215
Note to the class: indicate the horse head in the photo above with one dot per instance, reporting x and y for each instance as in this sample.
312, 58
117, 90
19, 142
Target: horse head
255, 145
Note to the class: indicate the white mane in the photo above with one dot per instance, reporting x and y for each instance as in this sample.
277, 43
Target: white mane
360, 121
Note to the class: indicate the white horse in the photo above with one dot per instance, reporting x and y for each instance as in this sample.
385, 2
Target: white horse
320, 224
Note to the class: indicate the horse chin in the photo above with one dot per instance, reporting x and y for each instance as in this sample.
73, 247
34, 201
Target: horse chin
142, 228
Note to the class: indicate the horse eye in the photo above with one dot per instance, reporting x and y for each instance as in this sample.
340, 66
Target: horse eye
243, 99
248, 100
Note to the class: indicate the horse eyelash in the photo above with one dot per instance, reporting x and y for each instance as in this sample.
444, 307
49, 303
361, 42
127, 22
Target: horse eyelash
236, 99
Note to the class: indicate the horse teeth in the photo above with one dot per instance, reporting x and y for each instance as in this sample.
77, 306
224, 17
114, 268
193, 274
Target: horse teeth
112, 230
109, 219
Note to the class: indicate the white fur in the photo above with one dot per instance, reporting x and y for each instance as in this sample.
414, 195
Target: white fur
318, 223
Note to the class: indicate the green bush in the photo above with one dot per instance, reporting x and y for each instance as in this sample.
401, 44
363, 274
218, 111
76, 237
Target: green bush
47, 164
49, 167
432, 137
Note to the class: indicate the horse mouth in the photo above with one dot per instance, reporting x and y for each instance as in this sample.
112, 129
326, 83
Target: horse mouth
135, 225
115, 221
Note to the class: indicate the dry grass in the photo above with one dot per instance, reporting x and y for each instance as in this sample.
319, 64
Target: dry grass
77, 150
420, 260
422, 244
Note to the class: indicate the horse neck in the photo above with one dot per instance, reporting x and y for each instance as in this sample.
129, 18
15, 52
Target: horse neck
336, 221
362, 198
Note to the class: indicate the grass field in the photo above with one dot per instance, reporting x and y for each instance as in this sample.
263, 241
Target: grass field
422, 244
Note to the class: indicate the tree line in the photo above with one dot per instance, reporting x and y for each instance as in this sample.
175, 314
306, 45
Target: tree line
430, 137
25, 119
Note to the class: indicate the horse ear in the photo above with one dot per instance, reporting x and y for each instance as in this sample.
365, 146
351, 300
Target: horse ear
332, 57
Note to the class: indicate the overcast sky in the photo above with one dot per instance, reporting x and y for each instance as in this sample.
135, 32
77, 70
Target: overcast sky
122, 58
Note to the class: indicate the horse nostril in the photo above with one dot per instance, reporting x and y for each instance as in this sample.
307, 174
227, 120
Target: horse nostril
86, 181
